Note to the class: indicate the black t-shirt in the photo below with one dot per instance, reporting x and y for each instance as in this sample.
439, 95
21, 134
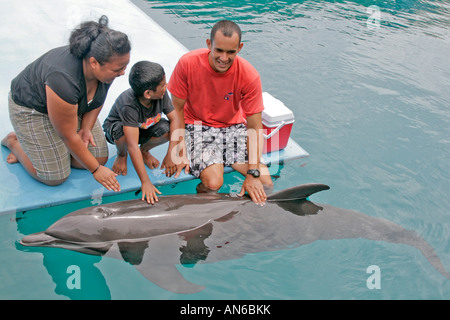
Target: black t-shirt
131, 113
63, 73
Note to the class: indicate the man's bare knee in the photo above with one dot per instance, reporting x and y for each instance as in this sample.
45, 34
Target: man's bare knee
212, 177
213, 183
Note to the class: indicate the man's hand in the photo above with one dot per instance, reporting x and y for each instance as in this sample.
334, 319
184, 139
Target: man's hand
170, 167
255, 190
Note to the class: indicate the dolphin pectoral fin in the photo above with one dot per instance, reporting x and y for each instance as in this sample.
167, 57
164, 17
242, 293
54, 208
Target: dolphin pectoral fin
114, 252
168, 277
155, 259
299, 192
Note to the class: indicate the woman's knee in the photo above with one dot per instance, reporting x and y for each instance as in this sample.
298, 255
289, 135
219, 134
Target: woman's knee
52, 183
102, 160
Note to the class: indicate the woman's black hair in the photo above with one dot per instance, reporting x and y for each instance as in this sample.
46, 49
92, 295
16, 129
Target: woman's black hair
145, 75
96, 39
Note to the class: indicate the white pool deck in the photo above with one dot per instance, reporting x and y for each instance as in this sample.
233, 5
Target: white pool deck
29, 28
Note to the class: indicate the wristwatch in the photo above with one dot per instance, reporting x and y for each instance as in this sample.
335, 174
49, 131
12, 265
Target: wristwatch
254, 172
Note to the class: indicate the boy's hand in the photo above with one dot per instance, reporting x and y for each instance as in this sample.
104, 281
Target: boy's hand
149, 191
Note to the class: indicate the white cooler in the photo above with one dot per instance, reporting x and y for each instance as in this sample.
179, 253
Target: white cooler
277, 120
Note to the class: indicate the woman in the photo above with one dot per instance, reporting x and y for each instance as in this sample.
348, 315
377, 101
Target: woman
55, 101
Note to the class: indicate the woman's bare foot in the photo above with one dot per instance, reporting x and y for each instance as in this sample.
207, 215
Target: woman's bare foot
149, 160
7, 141
120, 165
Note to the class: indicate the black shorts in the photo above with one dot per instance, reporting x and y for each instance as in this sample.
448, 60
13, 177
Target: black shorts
114, 131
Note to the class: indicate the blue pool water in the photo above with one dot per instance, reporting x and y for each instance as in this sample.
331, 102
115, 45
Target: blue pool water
368, 82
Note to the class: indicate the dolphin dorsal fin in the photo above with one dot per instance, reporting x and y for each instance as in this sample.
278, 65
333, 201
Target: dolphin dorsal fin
299, 192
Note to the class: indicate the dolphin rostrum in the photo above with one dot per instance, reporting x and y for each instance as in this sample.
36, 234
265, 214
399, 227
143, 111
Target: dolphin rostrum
198, 228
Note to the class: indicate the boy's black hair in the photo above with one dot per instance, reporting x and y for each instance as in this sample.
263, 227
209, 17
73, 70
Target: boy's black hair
145, 75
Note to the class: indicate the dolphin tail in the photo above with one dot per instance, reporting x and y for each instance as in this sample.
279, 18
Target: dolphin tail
297, 193
414, 239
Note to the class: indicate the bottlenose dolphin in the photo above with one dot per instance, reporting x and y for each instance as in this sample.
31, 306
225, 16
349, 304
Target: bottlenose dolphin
199, 228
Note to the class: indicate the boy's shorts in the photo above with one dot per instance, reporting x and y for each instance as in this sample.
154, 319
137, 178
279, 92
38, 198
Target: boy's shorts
209, 145
114, 131
40, 141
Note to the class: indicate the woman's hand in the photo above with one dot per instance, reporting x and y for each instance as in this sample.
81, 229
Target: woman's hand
107, 178
87, 137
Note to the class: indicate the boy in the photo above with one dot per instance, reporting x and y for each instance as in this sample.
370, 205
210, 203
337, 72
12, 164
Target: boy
134, 125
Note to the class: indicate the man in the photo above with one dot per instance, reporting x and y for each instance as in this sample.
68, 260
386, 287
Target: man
219, 96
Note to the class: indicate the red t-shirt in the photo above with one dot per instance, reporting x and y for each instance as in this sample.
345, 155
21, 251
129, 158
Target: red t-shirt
216, 99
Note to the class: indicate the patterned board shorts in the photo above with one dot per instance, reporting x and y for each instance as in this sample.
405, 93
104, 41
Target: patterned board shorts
208, 145
40, 141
